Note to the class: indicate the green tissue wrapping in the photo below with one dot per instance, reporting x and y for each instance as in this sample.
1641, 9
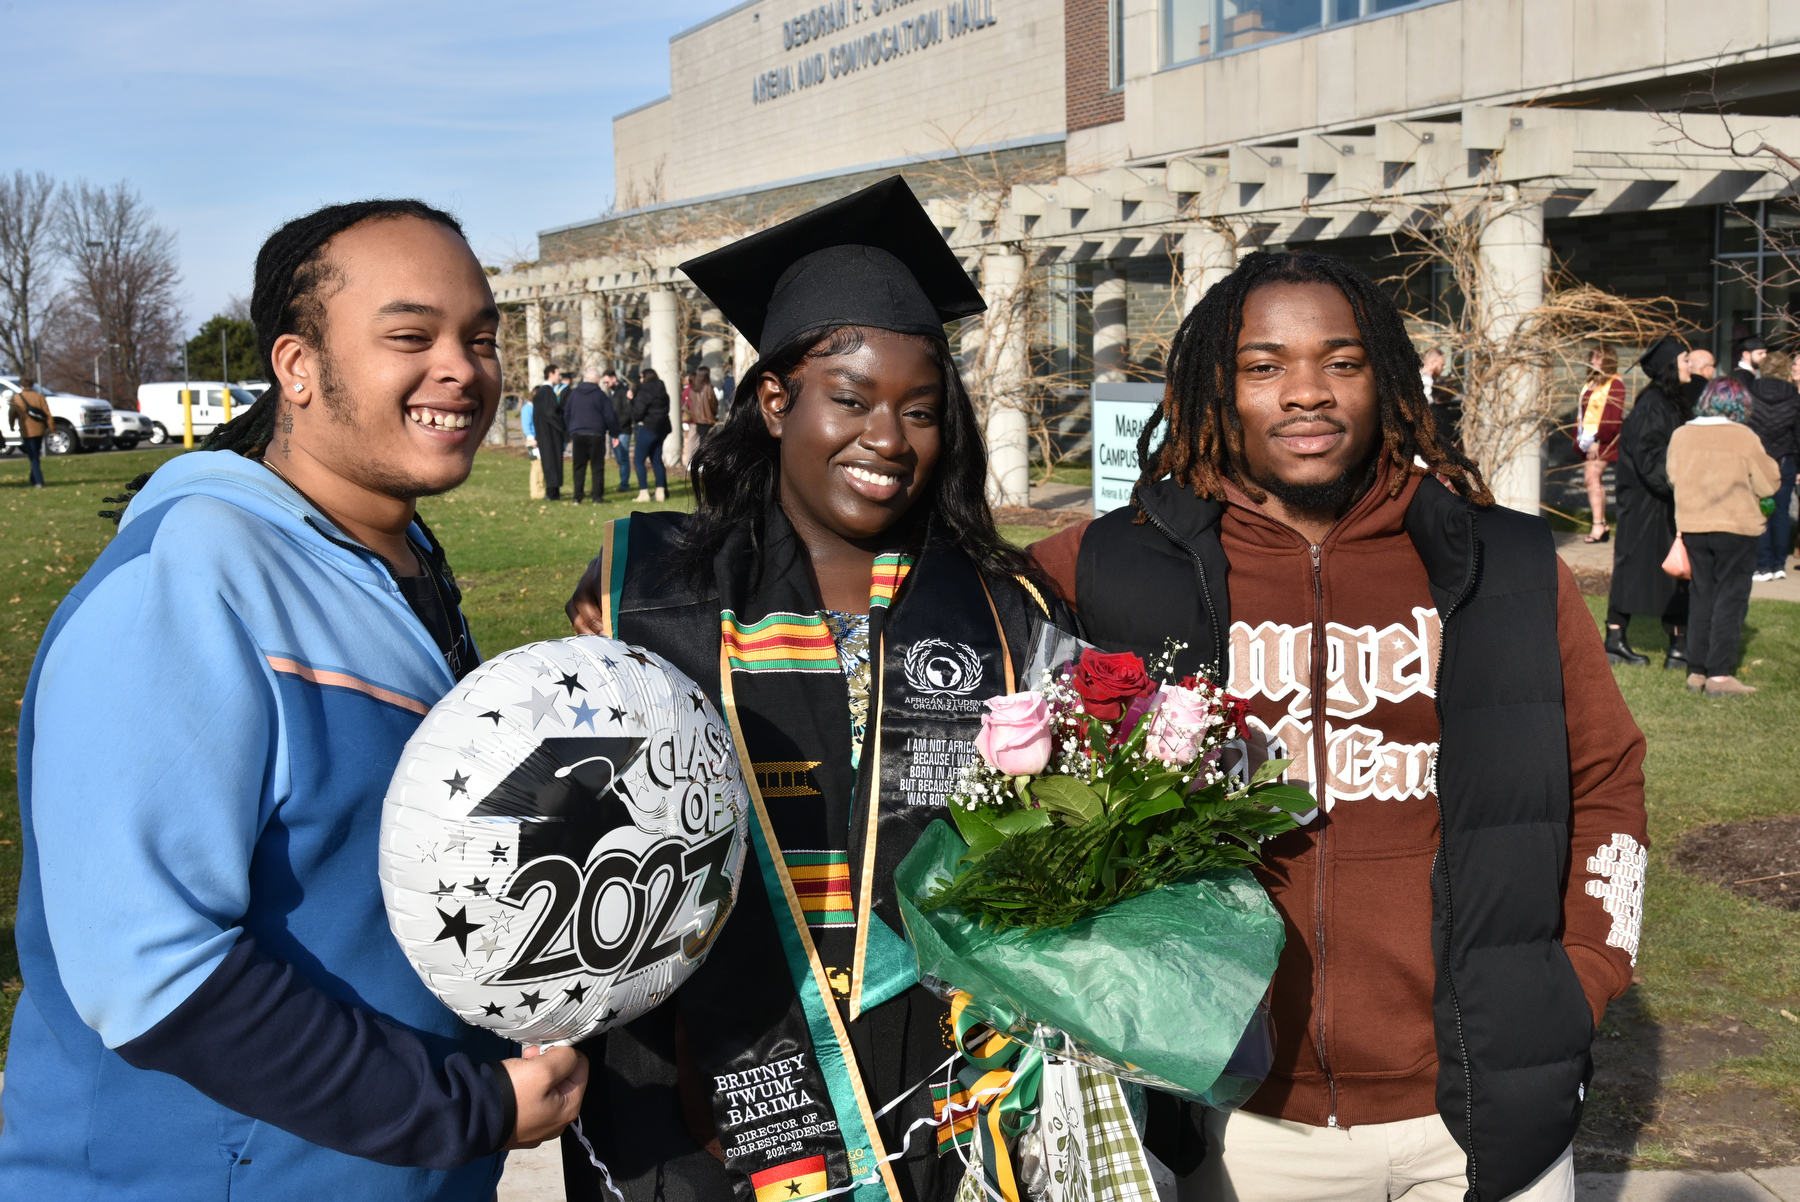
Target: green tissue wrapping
1156, 989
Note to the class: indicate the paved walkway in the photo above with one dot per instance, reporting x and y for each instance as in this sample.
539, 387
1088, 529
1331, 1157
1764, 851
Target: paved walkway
536, 1177
1590, 559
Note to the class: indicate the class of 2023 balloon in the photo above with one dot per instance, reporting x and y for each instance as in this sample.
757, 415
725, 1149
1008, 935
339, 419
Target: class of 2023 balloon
562, 839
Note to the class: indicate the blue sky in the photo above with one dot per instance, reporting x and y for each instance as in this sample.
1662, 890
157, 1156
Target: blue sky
230, 118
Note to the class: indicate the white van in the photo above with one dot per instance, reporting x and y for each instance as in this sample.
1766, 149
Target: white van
161, 403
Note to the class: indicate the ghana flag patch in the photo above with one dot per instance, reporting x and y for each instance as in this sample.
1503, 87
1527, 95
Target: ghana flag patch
953, 1132
822, 882
793, 1180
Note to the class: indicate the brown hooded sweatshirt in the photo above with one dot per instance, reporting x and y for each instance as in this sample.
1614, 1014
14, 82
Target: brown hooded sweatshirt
1351, 999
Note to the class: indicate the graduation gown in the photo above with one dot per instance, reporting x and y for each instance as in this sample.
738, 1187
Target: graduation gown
1645, 528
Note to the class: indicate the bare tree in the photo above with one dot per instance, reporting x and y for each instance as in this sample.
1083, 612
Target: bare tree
28, 260
121, 295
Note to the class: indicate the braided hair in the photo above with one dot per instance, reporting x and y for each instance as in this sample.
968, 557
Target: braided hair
1202, 444
292, 275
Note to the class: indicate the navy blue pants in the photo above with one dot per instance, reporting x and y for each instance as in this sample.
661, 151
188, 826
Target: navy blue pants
1777, 536
649, 446
34, 450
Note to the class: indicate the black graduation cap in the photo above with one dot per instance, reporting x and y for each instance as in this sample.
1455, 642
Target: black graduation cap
872, 258
1661, 354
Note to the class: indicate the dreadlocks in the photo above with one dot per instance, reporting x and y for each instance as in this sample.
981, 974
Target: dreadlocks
1203, 443
292, 275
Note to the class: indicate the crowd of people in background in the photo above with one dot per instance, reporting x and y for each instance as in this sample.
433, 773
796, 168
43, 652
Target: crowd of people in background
606, 411
1704, 471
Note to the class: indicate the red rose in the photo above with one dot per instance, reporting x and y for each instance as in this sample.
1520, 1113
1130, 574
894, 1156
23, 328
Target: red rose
1236, 709
1108, 683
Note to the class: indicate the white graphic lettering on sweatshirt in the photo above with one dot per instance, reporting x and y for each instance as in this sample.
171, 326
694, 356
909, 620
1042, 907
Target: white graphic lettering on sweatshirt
1364, 666
1620, 864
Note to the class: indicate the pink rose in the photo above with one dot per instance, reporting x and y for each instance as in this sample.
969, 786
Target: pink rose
1015, 734
1178, 726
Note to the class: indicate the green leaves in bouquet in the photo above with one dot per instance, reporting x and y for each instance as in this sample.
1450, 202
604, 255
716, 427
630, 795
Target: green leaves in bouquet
1069, 797
1122, 835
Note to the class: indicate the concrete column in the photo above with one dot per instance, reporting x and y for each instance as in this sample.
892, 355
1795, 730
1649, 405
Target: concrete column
712, 341
1514, 259
534, 345
1004, 360
743, 356
1110, 334
593, 331
665, 357
1208, 255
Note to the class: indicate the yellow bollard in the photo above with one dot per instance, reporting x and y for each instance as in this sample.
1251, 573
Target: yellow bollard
227, 391
187, 418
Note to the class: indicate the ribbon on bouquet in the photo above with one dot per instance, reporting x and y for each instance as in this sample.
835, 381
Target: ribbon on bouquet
990, 1102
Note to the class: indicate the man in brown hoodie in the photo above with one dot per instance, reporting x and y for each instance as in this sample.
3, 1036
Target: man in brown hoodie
1467, 897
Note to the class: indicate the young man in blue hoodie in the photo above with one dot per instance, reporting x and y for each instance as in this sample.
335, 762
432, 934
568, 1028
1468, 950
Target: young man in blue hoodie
214, 1006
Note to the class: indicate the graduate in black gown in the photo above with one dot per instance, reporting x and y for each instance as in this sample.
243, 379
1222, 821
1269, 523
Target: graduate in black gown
843, 596
1646, 501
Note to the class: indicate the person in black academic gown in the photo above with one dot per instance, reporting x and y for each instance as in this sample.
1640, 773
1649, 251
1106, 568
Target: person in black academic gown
1646, 505
552, 430
841, 540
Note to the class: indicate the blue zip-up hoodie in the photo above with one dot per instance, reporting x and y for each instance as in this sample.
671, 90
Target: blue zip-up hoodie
214, 1007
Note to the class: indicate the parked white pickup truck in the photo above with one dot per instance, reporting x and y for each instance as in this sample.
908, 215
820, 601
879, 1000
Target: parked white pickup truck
83, 423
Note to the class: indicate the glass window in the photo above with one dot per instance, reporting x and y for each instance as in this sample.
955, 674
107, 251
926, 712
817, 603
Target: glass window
1247, 22
1737, 234
214, 397
1115, 37
241, 398
1187, 30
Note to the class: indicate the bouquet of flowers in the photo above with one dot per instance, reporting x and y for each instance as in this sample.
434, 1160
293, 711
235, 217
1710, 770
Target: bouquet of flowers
1098, 903
1101, 785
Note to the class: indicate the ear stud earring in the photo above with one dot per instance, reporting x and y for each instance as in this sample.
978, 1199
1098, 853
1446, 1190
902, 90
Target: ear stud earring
299, 387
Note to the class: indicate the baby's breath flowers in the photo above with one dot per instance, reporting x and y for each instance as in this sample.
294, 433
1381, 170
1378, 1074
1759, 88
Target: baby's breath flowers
1100, 784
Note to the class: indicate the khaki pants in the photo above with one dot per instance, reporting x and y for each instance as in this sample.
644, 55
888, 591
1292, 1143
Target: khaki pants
1250, 1158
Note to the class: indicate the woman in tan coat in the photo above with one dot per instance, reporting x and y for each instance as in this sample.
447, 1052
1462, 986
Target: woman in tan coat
1720, 474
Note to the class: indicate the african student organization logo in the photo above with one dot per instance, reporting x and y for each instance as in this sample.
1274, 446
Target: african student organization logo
935, 668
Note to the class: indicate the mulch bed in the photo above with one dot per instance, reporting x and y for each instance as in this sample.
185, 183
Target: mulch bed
1055, 519
1758, 859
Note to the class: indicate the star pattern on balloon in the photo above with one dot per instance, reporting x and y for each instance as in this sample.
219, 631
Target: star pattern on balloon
640, 657
488, 945
457, 927
444, 890
531, 1001
478, 887
458, 784
494, 714
609, 661
615, 714
455, 845
571, 682
582, 714
428, 851
493, 1011
699, 700
577, 993
541, 706
498, 851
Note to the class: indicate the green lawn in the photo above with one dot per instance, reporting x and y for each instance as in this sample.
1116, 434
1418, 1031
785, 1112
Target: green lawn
1708, 957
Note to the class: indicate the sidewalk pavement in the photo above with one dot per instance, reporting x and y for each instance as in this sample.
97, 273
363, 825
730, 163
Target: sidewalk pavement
536, 1176
1593, 561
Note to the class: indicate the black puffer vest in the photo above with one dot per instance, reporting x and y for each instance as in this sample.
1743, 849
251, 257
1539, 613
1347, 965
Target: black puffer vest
1513, 1027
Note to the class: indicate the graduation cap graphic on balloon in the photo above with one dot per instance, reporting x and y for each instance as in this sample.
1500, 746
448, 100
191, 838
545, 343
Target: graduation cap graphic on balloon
565, 795
873, 258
